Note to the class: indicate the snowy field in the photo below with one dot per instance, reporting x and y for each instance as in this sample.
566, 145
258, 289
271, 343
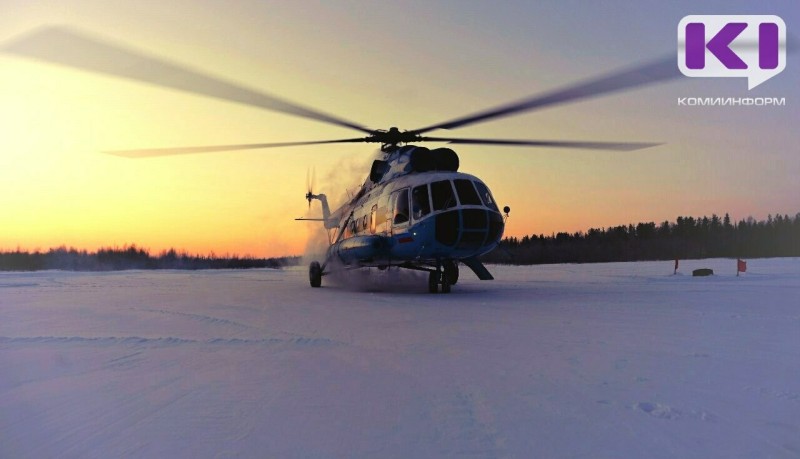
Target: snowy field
563, 361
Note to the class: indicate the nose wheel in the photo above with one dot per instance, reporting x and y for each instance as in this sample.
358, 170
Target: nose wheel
440, 277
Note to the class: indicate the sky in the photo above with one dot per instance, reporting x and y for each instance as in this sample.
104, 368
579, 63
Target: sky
406, 64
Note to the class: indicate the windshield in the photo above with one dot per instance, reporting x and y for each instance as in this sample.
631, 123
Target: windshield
483, 191
466, 193
443, 197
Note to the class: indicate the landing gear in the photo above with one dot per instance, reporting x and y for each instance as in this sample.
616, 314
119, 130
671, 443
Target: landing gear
445, 284
315, 274
445, 275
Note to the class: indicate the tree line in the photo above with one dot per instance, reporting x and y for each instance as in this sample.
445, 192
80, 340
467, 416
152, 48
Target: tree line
129, 257
686, 238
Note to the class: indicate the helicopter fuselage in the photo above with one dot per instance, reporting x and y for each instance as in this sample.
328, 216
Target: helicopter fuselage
415, 211
421, 218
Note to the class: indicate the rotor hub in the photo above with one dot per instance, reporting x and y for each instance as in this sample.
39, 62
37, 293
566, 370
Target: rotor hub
392, 137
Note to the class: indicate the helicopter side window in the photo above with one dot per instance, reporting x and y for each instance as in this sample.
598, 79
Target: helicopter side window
420, 202
483, 191
466, 193
443, 197
401, 207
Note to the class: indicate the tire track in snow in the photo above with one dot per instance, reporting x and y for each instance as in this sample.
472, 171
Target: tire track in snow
200, 318
126, 361
163, 341
664, 411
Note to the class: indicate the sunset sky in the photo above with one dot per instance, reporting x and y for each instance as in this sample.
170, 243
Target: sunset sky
407, 64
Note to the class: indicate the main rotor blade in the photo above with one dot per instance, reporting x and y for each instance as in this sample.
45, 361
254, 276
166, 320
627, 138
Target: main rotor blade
652, 72
152, 152
74, 49
619, 146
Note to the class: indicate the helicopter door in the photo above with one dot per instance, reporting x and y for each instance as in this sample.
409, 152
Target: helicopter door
400, 215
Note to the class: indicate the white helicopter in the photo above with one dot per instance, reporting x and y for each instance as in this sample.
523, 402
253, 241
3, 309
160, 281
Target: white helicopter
415, 210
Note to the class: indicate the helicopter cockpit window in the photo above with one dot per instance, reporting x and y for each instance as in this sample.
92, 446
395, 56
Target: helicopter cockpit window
420, 204
401, 207
443, 197
466, 193
486, 196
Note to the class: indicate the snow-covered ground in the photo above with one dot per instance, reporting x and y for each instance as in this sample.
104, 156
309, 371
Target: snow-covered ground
590, 361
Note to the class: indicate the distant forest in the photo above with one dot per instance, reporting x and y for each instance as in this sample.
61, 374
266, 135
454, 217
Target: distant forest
686, 238
129, 257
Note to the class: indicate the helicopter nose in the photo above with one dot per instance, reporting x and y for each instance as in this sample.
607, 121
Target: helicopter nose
469, 229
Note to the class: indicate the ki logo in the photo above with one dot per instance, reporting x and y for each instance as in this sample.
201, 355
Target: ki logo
752, 47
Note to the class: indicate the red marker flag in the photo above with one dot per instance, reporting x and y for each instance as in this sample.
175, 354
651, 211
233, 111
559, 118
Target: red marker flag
741, 266
676, 267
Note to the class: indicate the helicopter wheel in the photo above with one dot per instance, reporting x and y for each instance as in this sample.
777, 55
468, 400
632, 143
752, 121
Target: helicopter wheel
438, 277
451, 271
315, 274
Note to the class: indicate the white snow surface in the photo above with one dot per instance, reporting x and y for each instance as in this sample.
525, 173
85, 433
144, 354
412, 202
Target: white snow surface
617, 360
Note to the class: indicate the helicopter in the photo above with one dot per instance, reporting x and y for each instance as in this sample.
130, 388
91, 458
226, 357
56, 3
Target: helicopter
415, 209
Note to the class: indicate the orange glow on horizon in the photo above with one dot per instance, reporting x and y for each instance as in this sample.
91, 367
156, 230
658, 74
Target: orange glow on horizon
57, 188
